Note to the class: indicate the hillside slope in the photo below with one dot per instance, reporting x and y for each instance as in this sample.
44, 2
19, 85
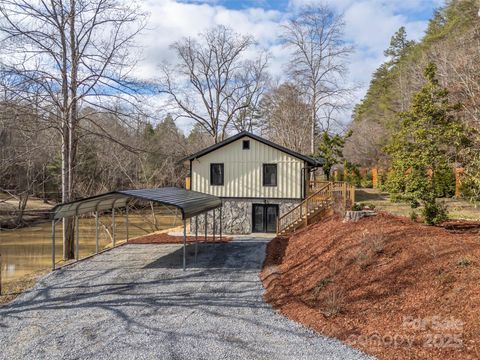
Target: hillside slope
386, 285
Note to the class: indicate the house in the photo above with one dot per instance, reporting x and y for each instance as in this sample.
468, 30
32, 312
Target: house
256, 179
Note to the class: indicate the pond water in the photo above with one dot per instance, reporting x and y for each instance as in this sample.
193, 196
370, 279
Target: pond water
28, 250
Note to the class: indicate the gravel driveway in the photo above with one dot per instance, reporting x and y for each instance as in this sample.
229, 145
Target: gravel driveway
135, 302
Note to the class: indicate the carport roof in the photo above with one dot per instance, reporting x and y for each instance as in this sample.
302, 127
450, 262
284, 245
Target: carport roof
189, 202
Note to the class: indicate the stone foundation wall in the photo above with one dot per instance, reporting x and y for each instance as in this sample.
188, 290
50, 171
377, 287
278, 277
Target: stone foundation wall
237, 215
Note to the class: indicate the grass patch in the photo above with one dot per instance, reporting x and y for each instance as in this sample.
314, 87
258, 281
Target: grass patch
457, 208
14, 288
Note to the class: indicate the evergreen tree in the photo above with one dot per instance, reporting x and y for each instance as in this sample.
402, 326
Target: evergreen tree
330, 150
399, 45
423, 150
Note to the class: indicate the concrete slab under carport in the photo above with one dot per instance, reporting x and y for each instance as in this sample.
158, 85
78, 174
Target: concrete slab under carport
136, 302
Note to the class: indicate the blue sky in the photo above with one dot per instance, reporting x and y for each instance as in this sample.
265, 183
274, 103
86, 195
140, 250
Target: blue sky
420, 10
238, 5
369, 25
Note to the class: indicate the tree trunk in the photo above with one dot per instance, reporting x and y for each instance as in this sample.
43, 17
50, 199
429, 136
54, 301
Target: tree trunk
68, 226
312, 129
22, 204
313, 118
67, 132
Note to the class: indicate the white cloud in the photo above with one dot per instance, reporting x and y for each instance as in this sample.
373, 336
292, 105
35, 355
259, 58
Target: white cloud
369, 26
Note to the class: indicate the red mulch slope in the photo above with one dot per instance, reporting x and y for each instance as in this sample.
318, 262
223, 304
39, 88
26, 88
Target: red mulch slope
386, 285
170, 239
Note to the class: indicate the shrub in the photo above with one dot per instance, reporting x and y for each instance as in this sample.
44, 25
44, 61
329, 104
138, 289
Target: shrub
367, 180
369, 206
321, 285
464, 262
334, 302
357, 207
373, 242
371, 245
414, 203
365, 183
434, 212
413, 216
395, 198
363, 259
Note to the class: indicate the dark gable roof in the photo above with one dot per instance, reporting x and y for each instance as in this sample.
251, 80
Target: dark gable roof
231, 139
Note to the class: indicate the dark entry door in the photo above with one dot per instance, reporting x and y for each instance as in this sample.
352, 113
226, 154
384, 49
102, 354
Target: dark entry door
264, 218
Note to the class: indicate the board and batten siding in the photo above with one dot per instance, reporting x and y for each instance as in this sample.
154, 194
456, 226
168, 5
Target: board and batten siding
243, 176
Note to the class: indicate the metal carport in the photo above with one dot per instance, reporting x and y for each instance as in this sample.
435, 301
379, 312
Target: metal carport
190, 203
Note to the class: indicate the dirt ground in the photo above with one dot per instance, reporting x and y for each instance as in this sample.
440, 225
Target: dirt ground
165, 238
391, 287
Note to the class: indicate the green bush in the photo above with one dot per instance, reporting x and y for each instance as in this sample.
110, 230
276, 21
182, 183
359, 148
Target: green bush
370, 206
414, 203
434, 212
396, 198
413, 216
444, 179
353, 176
365, 183
357, 207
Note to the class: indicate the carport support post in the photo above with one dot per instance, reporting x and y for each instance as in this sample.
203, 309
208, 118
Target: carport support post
206, 228
184, 244
221, 223
96, 231
77, 255
113, 227
196, 238
213, 232
126, 220
53, 245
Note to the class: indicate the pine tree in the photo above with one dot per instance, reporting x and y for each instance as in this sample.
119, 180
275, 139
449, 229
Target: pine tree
330, 150
423, 150
399, 45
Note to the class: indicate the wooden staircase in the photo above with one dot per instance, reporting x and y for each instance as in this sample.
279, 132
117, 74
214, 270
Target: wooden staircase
324, 197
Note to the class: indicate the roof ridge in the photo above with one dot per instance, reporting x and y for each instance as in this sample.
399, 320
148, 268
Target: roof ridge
208, 149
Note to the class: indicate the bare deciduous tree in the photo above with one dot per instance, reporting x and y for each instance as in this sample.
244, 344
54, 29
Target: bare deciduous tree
318, 62
213, 82
72, 54
365, 146
285, 117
